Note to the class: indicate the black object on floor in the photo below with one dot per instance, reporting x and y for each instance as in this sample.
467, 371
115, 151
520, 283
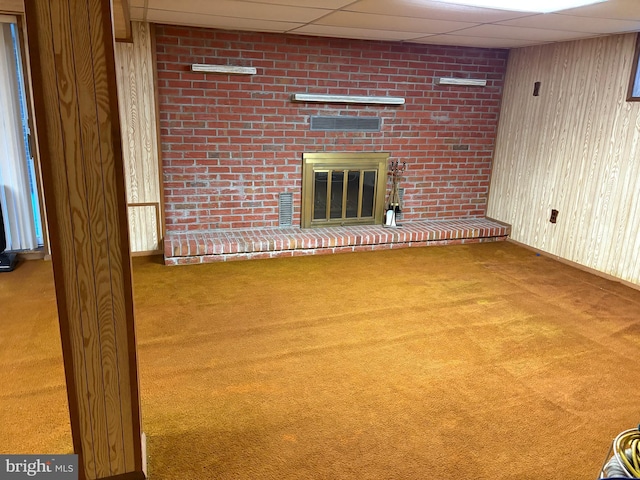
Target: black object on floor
7, 260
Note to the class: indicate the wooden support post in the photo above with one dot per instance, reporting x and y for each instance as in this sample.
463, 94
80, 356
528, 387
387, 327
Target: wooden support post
72, 60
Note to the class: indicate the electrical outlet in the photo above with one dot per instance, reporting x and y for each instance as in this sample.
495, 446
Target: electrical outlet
554, 216
536, 89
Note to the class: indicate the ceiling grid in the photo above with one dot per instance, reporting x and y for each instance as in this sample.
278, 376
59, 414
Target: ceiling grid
417, 21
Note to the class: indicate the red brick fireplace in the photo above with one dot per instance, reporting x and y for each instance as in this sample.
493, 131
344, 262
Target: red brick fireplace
231, 144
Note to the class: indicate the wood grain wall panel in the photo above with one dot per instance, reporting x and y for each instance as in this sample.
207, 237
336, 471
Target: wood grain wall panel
136, 96
574, 148
12, 6
144, 226
74, 93
121, 20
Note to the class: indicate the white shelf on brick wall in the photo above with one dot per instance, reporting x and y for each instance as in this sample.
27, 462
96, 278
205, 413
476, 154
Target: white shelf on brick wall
223, 69
308, 97
469, 82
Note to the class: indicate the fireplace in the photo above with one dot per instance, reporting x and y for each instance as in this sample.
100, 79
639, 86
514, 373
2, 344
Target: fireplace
343, 188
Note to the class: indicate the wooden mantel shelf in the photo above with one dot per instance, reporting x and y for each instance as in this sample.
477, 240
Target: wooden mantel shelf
365, 100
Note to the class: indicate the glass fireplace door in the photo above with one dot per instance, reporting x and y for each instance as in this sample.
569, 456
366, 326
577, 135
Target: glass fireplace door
343, 189
344, 194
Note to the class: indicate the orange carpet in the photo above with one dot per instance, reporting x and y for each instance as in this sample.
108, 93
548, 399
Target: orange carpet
476, 361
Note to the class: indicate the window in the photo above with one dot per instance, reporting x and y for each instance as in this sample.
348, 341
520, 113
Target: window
634, 87
18, 185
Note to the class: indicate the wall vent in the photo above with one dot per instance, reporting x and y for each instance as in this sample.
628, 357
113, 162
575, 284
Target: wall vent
345, 123
285, 209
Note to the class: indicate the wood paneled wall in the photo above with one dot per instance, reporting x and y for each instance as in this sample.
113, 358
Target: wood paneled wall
72, 62
574, 148
136, 97
12, 6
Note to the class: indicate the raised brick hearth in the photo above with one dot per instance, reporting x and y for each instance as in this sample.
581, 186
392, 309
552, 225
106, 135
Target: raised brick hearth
226, 245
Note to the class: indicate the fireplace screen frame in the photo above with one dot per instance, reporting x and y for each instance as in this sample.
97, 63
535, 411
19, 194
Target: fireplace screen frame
341, 162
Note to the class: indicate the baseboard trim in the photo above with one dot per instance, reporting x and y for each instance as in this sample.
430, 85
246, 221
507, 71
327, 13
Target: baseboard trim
576, 265
25, 255
144, 454
146, 253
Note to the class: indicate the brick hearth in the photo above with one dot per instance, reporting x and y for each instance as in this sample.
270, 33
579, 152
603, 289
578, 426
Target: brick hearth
225, 245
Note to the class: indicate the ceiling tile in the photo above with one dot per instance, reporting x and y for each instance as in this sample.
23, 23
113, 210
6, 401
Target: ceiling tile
504, 31
331, 4
576, 24
237, 9
389, 22
618, 9
433, 10
479, 42
211, 21
348, 32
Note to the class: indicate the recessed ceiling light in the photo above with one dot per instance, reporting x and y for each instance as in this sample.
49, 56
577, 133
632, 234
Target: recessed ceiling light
540, 6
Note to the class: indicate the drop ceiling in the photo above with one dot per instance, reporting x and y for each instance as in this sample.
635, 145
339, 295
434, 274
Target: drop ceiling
417, 21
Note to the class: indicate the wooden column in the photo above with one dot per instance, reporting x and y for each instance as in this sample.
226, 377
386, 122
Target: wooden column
72, 59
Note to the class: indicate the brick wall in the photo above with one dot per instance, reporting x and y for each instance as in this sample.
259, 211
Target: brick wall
232, 143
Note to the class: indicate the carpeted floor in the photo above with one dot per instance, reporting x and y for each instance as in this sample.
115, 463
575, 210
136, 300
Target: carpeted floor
479, 361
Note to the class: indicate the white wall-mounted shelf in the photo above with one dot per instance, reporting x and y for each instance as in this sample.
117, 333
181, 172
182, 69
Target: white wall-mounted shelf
461, 81
307, 97
223, 69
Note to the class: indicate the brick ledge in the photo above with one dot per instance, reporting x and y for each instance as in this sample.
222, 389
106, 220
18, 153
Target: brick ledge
225, 245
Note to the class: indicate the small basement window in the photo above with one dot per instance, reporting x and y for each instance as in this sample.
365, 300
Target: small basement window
634, 87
